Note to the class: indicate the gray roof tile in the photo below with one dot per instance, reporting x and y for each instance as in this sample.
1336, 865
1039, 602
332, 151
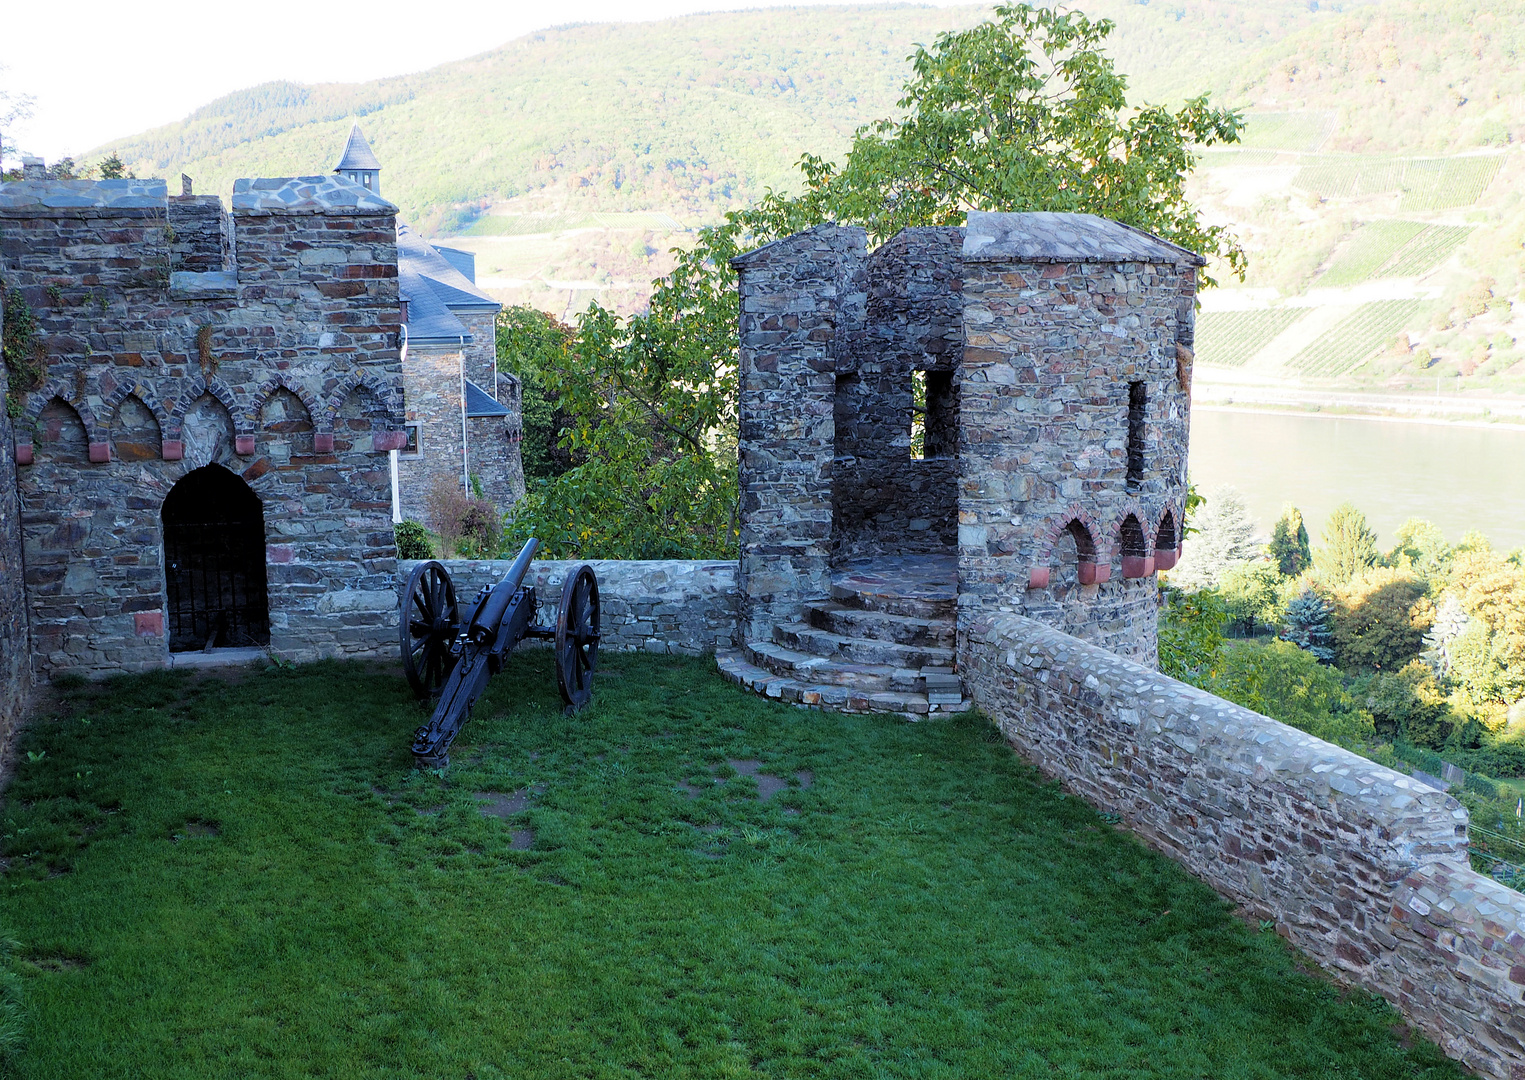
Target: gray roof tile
1051, 237
357, 153
455, 289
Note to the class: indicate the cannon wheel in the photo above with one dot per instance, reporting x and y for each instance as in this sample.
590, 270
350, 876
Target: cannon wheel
429, 620
577, 625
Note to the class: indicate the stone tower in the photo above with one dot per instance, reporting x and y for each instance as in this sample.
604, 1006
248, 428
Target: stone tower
358, 164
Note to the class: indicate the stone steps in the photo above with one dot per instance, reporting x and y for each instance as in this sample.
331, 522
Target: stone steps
839, 618
793, 664
836, 696
860, 650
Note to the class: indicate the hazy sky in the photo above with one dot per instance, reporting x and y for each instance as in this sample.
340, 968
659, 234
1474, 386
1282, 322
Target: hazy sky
99, 69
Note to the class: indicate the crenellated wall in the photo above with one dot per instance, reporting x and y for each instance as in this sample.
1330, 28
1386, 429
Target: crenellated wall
177, 338
1363, 868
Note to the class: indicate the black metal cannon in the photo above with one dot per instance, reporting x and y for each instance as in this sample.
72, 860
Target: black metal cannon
445, 655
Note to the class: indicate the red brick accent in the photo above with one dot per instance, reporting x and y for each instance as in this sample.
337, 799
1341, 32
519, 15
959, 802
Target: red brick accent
278, 553
389, 440
1135, 566
148, 623
323, 443
100, 453
23, 453
1164, 558
1037, 578
372, 270
173, 449
243, 445
1089, 573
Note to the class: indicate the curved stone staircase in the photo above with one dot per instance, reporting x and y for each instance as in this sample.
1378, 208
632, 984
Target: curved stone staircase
883, 642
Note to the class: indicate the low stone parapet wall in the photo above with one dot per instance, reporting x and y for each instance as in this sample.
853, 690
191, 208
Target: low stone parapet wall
1363, 868
686, 606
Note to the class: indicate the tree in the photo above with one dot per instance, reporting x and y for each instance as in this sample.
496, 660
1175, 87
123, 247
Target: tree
1249, 592
530, 343
1290, 685
1488, 656
1023, 112
1289, 543
1308, 625
1379, 619
1408, 704
1419, 545
112, 168
1191, 634
1225, 538
1350, 547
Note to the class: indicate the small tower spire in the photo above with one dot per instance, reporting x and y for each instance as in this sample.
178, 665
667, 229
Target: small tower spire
358, 163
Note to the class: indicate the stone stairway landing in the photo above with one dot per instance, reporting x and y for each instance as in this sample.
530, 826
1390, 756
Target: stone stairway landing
883, 642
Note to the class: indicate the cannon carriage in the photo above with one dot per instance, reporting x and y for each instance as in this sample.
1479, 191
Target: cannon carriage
453, 658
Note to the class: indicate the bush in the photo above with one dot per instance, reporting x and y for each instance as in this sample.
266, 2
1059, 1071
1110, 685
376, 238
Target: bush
1379, 619
413, 540
468, 527
1409, 705
1288, 684
1191, 633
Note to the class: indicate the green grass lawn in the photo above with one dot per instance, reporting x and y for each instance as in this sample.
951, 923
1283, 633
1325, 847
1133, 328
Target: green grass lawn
245, 878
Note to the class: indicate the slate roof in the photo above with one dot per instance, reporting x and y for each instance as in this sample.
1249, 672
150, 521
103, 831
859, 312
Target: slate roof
357, 153
480, 403
307, 193
429, 320
455, 289
1050, 237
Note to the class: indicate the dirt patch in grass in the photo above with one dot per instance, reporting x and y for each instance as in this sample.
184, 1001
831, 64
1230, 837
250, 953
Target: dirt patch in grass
501, 804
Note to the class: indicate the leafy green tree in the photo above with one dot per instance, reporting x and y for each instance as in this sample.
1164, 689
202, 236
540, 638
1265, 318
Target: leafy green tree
1307, 625
1379, 619
1190, 633
112, 168
1409, 704
1289, 684
1350, 547
530, 344
1289, 543
1225, 539
1022, 112
1250, 595
1420, 546
1488, 656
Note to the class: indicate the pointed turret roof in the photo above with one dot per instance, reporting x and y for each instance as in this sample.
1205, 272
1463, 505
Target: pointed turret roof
357, 153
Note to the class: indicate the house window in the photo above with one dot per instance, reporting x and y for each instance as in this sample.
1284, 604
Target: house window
1138, 401
414, 447
934, 415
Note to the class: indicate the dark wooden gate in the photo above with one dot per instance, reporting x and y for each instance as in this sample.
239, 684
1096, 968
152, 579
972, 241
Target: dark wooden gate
214, 562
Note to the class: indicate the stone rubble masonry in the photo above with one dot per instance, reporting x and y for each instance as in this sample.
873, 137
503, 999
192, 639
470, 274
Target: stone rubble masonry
795, 293
1360, 867
433, 390
657, 606
1062, 312
178, 337
15, 637
884, 501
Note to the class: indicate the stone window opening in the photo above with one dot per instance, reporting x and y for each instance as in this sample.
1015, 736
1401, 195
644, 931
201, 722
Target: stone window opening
934, 415
1135, 547
1166, 543
413, 449
1138, 404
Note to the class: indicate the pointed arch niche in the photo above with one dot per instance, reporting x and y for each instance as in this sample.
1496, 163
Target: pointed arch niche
214, 563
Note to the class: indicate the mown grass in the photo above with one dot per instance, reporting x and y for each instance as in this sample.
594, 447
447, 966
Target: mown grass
245, 878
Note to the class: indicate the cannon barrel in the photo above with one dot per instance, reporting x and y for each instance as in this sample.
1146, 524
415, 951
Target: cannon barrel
483, 629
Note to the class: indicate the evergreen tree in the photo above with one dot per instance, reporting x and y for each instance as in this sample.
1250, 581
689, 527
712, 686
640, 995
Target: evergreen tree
1224, 539
1350, 546
1308, 625
1289, 543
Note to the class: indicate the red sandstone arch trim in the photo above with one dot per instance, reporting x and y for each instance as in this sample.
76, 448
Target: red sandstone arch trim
316, 408
1093, 571
193, 391
1167, 548
62, 388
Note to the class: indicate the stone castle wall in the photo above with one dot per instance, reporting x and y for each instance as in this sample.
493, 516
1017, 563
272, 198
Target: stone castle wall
661, 606
1055, 346
433, 390
883, 500
15, 636
1359, 866
282, 368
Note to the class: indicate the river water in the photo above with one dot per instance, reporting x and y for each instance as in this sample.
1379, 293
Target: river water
1460, 478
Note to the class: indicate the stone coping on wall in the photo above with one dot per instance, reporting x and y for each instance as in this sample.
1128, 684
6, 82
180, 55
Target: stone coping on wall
686, 606
1360, 866
1046, 236
310, 194
83, 194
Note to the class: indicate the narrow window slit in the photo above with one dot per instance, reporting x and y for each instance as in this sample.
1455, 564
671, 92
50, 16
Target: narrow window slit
1138, 401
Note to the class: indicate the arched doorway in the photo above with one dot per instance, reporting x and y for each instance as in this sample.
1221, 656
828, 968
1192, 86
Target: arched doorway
214, 562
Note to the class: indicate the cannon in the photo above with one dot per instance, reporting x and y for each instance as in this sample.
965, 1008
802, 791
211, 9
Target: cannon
445, 655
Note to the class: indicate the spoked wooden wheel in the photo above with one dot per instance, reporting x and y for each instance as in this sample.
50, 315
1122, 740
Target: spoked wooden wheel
577, 625
429, 619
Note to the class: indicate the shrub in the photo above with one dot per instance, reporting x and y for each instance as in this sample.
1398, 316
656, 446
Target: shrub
467, 527
1191, 633
413, 540
1288, 684
1409, 705
1379, 619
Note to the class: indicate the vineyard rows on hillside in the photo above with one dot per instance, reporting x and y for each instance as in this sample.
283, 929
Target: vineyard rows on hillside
1230, 338
1358, 337
1390, 249
1425, 183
